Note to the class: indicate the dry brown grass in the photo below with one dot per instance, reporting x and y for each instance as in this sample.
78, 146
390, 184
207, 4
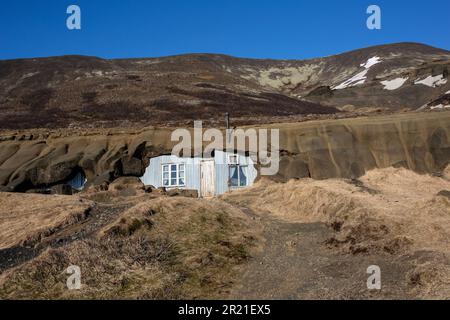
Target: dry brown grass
209, 236
395, 205
389, 211
160, 249
27, 218
168, 248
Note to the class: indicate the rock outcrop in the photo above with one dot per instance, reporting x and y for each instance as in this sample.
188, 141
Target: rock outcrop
319, 149
349, 148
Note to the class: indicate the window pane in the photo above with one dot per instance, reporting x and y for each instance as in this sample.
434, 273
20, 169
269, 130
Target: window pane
242, 177
234, 176
173, 182
173, 167
173, 174
181, 177
165, 168
166, 182
181, 167
165, 175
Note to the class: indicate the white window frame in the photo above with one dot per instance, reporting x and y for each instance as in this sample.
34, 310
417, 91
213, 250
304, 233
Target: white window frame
181, 174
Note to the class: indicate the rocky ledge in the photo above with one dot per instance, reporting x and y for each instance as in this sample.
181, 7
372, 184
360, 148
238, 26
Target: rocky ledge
323, 149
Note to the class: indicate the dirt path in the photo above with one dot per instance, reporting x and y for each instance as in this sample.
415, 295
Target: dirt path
294, 263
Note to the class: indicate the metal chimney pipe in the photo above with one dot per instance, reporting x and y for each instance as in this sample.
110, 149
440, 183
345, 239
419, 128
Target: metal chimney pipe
227, 120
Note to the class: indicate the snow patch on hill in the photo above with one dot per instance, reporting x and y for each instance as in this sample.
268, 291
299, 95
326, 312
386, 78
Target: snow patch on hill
361, 77
394, 84
432, 82
371, 62
440, 106
358, 79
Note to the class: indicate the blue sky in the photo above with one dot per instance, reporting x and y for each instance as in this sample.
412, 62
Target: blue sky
282, 29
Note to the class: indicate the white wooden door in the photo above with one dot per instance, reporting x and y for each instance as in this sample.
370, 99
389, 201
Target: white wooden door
207, 178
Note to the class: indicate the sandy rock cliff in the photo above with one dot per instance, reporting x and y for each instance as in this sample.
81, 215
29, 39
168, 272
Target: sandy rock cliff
319, 149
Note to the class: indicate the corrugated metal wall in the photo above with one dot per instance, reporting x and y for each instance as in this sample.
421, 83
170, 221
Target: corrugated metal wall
153, 173
222, 170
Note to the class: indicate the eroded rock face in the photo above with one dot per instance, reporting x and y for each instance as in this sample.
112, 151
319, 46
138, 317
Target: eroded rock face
319, 149
102, 157
349, 148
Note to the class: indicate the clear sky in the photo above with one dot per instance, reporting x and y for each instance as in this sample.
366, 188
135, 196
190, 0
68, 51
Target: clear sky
282, 29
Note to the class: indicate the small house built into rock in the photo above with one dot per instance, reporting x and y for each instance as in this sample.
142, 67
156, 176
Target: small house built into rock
78, 181
75, 183
222, 172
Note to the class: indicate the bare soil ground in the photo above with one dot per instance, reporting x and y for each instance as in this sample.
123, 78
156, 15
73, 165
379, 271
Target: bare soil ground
295, 263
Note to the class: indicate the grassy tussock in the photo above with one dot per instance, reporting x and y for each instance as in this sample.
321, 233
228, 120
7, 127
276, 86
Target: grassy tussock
168, 248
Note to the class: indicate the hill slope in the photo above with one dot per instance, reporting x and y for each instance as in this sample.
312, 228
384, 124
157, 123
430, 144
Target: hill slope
78, 90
